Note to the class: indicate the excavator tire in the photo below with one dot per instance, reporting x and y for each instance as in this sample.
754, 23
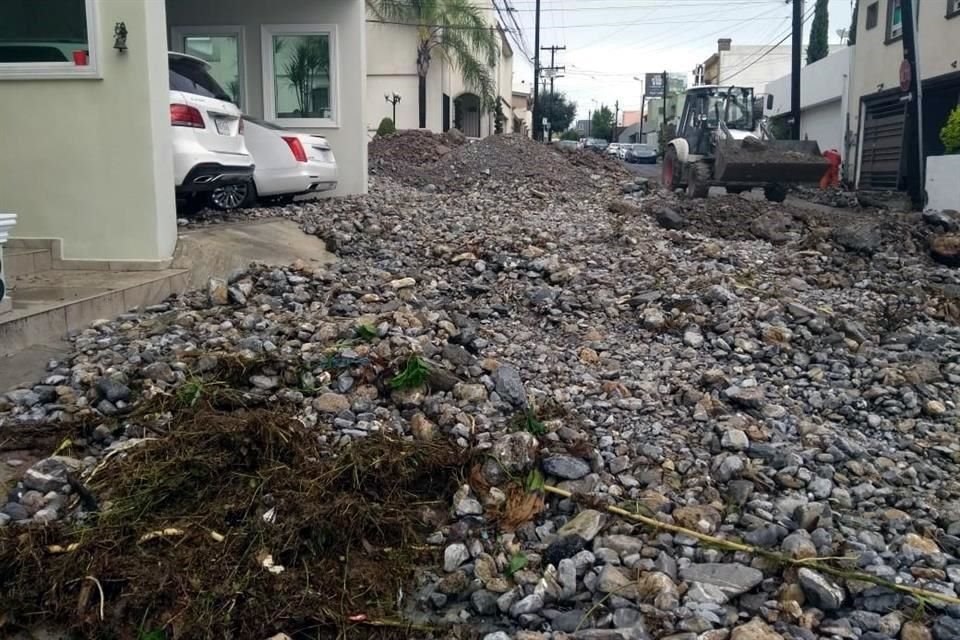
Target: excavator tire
775, 192
698, 187
669, 172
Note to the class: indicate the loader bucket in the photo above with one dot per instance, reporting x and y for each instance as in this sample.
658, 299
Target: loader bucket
769, 161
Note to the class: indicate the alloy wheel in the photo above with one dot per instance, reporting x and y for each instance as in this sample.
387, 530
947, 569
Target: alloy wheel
230, 196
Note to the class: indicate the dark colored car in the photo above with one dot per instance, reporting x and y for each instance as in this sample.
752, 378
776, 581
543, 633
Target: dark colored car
641, 153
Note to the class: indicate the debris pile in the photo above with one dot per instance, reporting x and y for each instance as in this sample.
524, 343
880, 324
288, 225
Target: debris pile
778, 381
490, 163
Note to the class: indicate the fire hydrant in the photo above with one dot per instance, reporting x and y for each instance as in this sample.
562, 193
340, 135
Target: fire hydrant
832, 177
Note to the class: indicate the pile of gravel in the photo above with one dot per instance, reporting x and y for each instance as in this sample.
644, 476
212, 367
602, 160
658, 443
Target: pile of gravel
799, 396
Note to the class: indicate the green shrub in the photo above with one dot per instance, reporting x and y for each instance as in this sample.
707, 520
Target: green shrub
950, 134
386, 127
570, 134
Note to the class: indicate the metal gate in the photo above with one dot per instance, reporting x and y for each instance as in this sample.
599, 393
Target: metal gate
883, 129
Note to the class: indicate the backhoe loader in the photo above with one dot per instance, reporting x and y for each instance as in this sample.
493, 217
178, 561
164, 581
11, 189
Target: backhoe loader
723, 141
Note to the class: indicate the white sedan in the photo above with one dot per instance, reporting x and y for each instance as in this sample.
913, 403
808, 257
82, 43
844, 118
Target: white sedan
287, 164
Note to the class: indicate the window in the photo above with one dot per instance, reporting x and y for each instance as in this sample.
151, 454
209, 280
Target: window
49, 39
894, 21
222, 49
191, 76
953, 8
299, 75
873, 15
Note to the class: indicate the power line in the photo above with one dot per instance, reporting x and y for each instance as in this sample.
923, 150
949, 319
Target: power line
570, 26
767, 52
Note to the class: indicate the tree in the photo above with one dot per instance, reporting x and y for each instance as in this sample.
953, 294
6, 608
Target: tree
852, 35
458, 32
601, 125
950, 134
558, 111
819, 47
570, 134
386, 128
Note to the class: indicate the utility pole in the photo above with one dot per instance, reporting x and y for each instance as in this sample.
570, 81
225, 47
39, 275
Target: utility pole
910, 83
536, 74
795, 68
643, 105
616, 114
663, 100
553, 50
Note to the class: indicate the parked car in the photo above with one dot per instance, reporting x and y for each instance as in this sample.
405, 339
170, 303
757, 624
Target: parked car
613, 149
595, 144
287, 164
568, 145
208, 146
641, 153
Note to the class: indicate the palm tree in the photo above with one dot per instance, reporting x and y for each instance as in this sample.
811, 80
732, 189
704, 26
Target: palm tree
457, 31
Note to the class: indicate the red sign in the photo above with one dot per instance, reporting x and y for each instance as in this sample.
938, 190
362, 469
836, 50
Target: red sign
906, 73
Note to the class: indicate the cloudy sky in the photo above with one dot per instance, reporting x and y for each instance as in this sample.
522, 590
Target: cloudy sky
611, 41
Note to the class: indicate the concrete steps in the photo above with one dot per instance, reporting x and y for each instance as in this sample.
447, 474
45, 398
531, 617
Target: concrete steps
48, 304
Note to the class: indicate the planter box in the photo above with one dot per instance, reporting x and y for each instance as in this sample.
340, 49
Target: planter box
943, 182
7, 222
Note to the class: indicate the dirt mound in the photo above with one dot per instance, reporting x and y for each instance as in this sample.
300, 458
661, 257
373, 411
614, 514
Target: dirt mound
420, 158
237, 526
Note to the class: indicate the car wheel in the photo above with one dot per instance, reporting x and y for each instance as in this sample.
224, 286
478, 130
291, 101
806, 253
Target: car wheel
231, 196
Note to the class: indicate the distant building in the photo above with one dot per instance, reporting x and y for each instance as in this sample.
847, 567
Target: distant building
748, 65
582, 127
629, 118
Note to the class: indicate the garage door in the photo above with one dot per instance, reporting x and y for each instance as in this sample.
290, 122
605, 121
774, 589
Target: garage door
883, 128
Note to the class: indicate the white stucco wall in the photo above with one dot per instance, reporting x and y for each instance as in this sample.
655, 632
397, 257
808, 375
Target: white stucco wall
823, 87
737, 66
348, 138
88, 161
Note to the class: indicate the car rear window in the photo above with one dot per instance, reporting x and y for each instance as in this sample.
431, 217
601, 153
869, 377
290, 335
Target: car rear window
191, 77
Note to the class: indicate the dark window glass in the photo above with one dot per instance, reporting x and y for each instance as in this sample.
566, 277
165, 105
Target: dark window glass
44, 31
190, 76
873, 12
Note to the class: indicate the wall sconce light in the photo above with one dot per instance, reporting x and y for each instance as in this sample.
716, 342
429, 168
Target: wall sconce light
120, 36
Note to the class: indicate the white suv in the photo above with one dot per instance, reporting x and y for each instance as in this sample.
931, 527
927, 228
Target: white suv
208, 147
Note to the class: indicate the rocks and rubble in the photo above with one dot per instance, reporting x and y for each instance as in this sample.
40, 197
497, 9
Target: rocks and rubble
772, 386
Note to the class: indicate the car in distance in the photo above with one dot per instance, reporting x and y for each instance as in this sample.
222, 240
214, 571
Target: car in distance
641, 153
596, 144
208, 146
288, 164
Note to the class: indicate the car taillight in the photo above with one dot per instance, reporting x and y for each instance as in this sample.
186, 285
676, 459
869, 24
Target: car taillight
182, 115
240, 130
296, 148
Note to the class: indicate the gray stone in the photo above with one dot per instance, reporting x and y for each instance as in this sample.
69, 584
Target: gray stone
159, 371
732, 578
509, 386
218, 293
747, 397
50, 474
670, 219
862, 238
530, 604
112, 390
16, 511
613, 580
822, 592
484, 602
566, 467
454, 556
735, 440
692, 338
586, 524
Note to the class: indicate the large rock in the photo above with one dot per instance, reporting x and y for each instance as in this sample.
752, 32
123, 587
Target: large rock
512, 455
613, 580
113, 390
861, 238
586, 524
50, 474
566, 467
733, 579
509, 385
756, 629
821, 591
670, 218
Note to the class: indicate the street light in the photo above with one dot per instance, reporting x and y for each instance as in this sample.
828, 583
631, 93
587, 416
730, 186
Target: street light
393, 99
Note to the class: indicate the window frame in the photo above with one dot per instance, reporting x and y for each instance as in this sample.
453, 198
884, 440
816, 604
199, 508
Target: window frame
890, 36
177, 34
63, 70
267, 33
876, 15
953, 9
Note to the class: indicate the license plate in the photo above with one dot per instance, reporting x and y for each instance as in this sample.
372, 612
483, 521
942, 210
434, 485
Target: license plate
224, 126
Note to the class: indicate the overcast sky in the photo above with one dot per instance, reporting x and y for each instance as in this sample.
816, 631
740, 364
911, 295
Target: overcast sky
611, 41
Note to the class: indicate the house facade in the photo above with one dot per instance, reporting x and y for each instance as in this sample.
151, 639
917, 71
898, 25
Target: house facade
746, 65
86, 156
392, 69
877, 109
